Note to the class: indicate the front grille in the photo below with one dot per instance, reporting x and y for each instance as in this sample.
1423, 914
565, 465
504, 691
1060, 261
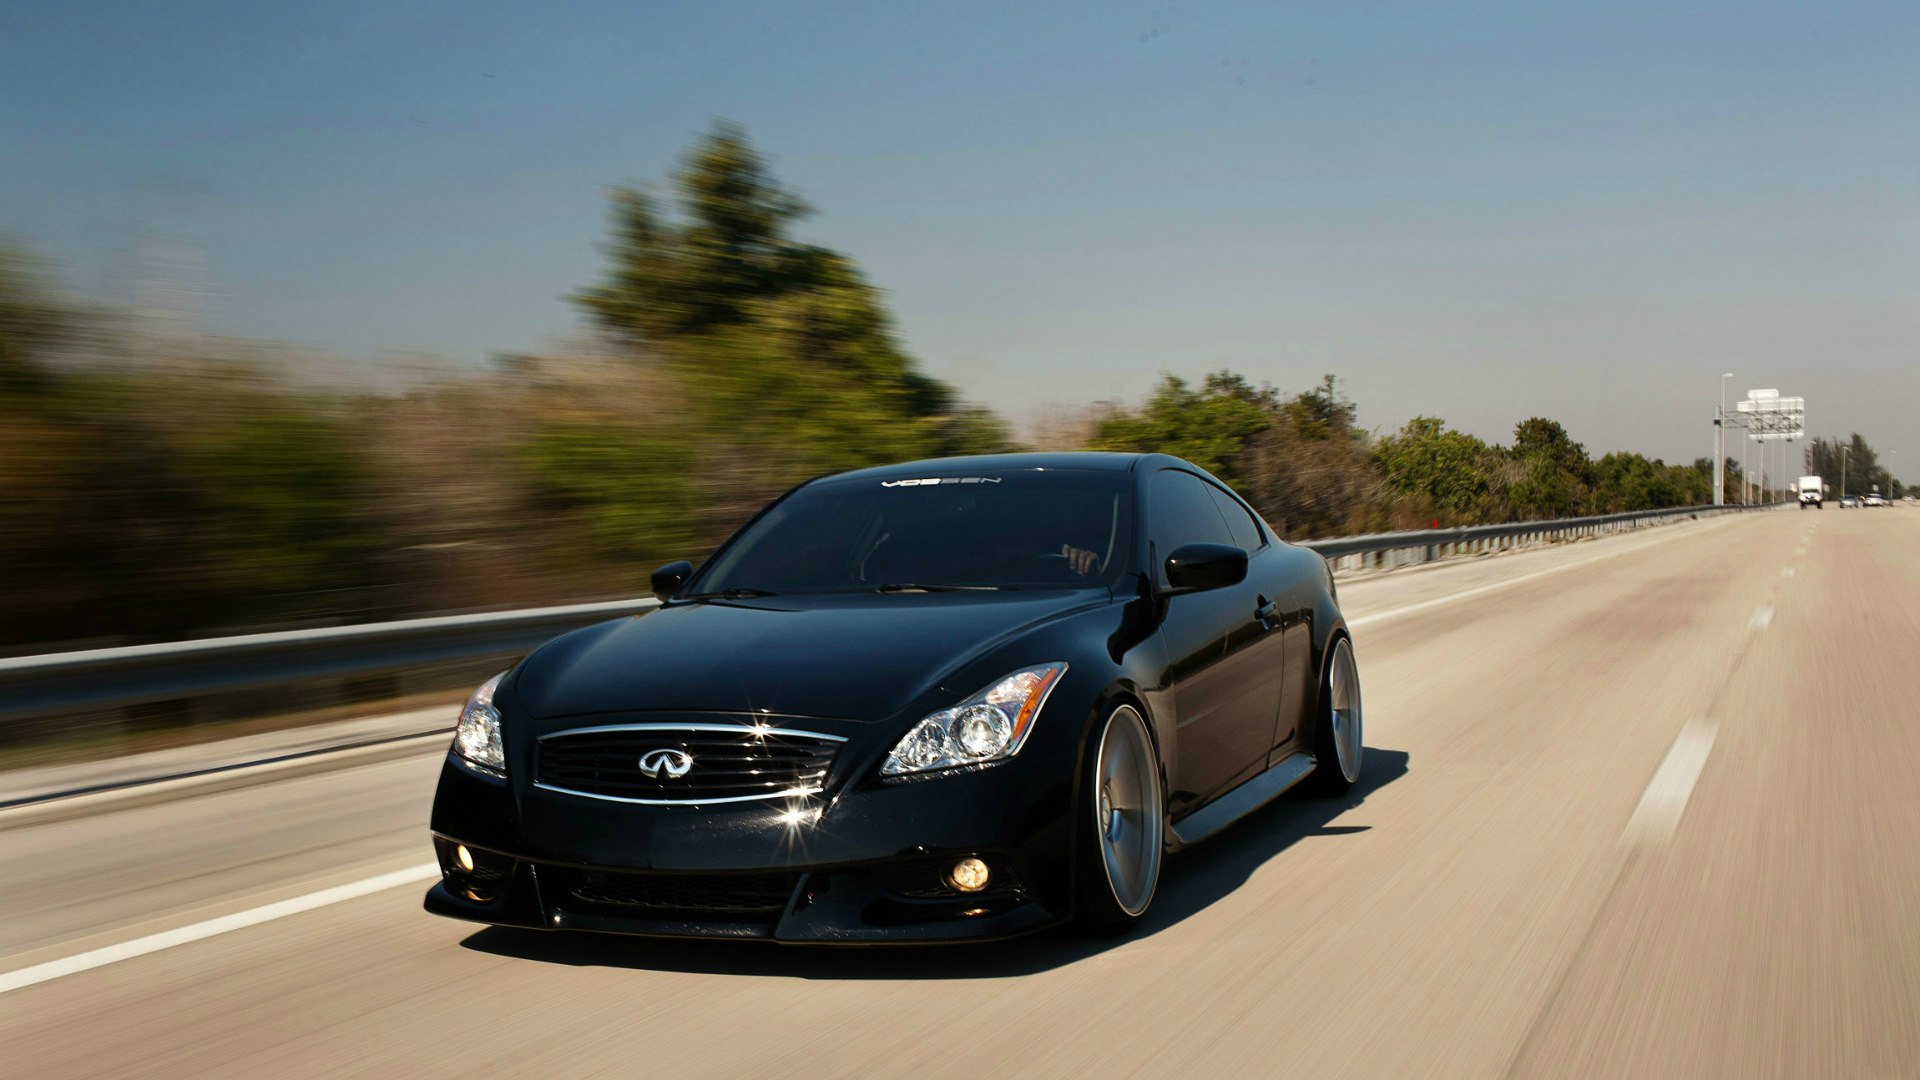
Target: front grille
697, 897
729, 762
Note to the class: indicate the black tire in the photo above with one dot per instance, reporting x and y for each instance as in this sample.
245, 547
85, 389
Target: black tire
1333, 772
1107, 829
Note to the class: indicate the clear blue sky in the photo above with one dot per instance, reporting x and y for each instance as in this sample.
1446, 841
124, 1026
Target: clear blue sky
1478, 210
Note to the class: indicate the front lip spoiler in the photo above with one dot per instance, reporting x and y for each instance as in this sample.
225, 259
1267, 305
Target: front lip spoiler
799, 924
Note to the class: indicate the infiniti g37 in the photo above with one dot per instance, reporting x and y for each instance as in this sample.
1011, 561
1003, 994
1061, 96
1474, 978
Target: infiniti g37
953, 699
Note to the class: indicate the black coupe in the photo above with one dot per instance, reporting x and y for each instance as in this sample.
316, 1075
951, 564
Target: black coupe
964, 698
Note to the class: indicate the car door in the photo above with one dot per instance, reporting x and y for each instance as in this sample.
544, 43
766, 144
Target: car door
1276, 651
1223, 664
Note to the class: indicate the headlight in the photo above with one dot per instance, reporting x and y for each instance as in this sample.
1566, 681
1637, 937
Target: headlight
989, 726
476, 738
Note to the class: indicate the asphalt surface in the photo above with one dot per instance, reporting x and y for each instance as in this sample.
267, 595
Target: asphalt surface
1643, 806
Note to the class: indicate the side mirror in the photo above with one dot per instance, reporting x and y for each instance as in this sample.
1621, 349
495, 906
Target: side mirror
668, 579
1199, 567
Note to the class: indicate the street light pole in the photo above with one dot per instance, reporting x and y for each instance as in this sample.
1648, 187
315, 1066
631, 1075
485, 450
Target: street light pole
1786, 469
1766, 473
1720, 445
1846, 455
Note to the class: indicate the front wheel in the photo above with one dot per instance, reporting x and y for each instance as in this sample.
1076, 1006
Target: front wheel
1338, 733
1122, 821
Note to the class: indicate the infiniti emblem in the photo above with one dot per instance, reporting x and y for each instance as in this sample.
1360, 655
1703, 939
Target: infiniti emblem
674, 764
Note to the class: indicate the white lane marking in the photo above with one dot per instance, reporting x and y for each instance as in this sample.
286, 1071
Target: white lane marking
1394, 613
1438, 601
1788, 572
1508, 583
1762, 618
239, 920
1658, 814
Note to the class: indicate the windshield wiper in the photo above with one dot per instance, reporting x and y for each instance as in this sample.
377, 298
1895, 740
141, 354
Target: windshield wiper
910, 587
729, 594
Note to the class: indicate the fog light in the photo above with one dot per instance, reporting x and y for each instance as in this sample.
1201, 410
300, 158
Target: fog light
463, 857
968, 875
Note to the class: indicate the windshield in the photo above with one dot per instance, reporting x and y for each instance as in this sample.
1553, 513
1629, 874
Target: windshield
1030, 528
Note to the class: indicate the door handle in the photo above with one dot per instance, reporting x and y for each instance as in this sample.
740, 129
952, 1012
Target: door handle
1266, 612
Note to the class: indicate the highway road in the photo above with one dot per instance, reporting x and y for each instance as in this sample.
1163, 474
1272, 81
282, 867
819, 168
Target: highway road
1636, 807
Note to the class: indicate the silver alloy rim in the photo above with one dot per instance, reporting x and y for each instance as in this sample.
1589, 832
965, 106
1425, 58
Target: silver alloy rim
1344, 684
1126, 808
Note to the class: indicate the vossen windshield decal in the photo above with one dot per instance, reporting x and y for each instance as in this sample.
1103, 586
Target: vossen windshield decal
933, 480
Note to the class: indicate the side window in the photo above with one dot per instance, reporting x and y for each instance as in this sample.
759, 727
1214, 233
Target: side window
1181, 511
1246, 534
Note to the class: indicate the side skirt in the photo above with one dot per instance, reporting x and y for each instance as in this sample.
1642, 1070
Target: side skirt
1241, 801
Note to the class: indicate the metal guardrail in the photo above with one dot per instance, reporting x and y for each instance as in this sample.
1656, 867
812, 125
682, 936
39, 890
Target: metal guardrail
1439, 543
34, 686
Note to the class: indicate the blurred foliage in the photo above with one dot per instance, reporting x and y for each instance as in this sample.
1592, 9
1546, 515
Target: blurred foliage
153, 504
778, 359
155, 487
34, 322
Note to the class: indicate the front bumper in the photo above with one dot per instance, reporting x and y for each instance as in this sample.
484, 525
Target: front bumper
863, 864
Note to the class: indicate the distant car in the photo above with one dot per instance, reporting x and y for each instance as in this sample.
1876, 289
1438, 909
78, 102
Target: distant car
1877, 499
953, 699
1849, 500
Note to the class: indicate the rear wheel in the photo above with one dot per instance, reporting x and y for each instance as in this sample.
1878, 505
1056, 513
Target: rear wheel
1339, 734
1122, 820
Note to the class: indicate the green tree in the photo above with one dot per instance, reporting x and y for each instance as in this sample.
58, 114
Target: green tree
1209, 426
1323, 412
1627, 481
1446, 469
780, 357
670, 280
1852, 461
1295, 459
1539, 437
1551, 474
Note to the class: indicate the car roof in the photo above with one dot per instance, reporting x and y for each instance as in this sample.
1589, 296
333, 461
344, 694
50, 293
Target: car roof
1099, 460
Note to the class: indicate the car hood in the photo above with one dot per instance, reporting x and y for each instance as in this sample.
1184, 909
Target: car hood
851, 657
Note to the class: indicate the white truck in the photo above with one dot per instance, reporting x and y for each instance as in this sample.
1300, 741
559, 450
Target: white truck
1812, 492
